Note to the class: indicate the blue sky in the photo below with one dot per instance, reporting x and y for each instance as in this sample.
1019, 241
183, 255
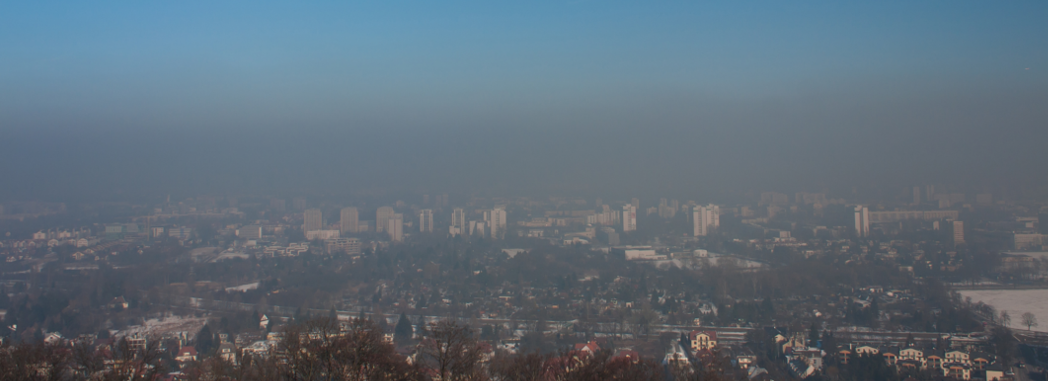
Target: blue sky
163, 65
673, 96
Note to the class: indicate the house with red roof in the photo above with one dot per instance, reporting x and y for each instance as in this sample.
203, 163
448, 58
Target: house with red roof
702, 340
588, 348
186, 354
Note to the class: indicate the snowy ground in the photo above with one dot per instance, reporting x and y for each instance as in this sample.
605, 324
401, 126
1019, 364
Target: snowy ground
169, 326
1016, 302
244, 287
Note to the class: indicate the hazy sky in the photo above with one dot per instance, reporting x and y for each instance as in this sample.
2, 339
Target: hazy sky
581, 94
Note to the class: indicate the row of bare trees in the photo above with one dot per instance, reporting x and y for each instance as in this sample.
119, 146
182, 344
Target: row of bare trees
326, 349
122, 360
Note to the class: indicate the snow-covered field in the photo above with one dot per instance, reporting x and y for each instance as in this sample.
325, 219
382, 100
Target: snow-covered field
244, 287
168, 326
1016, 302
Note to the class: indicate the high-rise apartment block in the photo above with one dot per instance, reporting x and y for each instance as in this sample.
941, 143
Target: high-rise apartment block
810, 198
916, 195
668, 209
862, 221
395, 227
425, 221
312, 220
250, 232
349, 220
605, 216
704, 219
458, 222
382, 217
629, 217
958, 232
299, 203
495, 220
774, 198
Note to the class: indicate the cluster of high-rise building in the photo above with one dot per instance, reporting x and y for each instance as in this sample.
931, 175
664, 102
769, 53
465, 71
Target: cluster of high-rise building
606, 216
864, 218
668, 209
386, 220
492, 224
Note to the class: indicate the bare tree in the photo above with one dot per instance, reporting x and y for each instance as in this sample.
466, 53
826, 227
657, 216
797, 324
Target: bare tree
133, 363
324, 349
1006, 319
248, 368
1029, 320
453, 353
575, 366
521, 367
33, 362
713, 366
603, 366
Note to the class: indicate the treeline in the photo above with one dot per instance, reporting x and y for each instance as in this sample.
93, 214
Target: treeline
326, 349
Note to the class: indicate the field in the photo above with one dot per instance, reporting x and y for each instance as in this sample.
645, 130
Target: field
1016, 302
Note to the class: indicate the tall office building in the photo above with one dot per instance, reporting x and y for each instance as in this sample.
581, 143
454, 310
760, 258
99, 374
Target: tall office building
349, 220
458, 221
958, 232
862, 221
312, 220
382, 216
395, 227
629, 217
636, 203
929, 192
916, 195
425, 221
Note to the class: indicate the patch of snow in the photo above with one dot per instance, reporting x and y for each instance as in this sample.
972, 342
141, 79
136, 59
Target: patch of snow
1016, 302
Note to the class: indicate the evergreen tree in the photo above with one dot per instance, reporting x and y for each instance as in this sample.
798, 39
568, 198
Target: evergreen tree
813, 335
420, 326
402, 332
767, 307
205, 341
5, 301
829, 343
875, 310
